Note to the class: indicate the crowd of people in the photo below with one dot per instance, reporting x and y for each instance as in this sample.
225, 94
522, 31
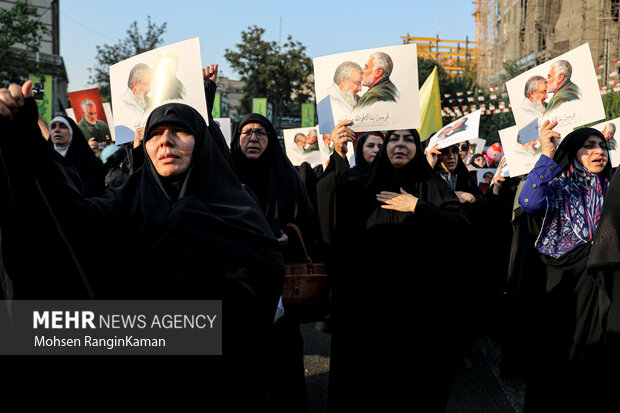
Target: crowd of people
401, 234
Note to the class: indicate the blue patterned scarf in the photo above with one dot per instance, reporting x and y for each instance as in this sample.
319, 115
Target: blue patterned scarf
574, 204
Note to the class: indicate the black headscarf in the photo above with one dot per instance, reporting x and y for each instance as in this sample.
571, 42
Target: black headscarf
464, 180
274, 180
88, 166
476, 156
416, 178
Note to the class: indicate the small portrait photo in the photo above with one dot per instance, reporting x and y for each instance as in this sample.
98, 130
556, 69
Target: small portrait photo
375, 88
302, 145
608, 128
171, 73
520, 157
90, 115
564, 89
462, 129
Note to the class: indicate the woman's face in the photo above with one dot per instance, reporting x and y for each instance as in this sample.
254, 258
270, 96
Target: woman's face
449, 157
401, 148
60, 133
371, 147
170, 149
253, 140
479, 161
593, 154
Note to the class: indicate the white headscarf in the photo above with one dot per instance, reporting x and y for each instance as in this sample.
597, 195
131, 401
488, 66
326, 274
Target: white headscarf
62, 149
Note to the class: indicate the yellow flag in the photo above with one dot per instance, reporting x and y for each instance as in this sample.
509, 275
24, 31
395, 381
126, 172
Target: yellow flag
430, 106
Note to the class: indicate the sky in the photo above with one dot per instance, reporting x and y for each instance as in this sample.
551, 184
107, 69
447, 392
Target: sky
324, 27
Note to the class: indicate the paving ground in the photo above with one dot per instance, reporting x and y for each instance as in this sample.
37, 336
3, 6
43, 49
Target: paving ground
478, 390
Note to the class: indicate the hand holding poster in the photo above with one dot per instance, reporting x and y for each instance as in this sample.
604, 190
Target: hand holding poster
375, 88
564, 89
145, 81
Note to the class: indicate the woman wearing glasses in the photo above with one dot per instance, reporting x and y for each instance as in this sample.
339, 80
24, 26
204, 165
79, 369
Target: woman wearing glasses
261, 165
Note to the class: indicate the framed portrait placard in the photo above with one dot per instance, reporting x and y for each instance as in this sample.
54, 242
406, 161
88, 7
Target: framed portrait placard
375, 88
564, 89
302, 145
171, 73
520, 157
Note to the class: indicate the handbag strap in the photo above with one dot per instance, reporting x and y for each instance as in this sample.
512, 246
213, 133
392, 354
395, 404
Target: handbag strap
301, 239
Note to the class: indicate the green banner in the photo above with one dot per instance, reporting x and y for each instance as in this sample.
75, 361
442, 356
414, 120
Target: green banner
259, 105
45, 104
216, 112
307, 115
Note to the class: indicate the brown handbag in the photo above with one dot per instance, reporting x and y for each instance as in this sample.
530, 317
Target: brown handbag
306, 292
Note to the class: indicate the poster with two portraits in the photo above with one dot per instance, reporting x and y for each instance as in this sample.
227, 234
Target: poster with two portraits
376, 88
307, 145
564, 89
171, 73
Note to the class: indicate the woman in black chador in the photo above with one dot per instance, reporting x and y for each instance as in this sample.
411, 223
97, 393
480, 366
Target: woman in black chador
261, 164
184, 228
396, 337
67, 139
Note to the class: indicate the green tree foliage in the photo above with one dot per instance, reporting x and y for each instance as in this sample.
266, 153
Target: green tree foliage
19, 25
611, 101
281, 73
134, 43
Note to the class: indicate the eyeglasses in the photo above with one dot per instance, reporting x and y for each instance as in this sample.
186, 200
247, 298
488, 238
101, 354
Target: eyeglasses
464, 148
260, 133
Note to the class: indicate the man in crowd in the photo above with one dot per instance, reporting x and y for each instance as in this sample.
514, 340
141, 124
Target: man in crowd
135, 98
609, 131
376, 76
342, 95
559, 83
91, 127
535, 92
312, 142
300, 143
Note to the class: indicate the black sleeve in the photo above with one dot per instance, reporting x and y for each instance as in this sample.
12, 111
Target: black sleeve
326, 195
210, 88
42, 196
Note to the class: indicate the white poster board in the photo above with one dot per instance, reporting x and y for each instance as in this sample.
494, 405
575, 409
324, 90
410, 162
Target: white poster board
520, 157
564, 89
302, 145
139, 84
226, 128
462, 129
70, 113
375, 88
107, 108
